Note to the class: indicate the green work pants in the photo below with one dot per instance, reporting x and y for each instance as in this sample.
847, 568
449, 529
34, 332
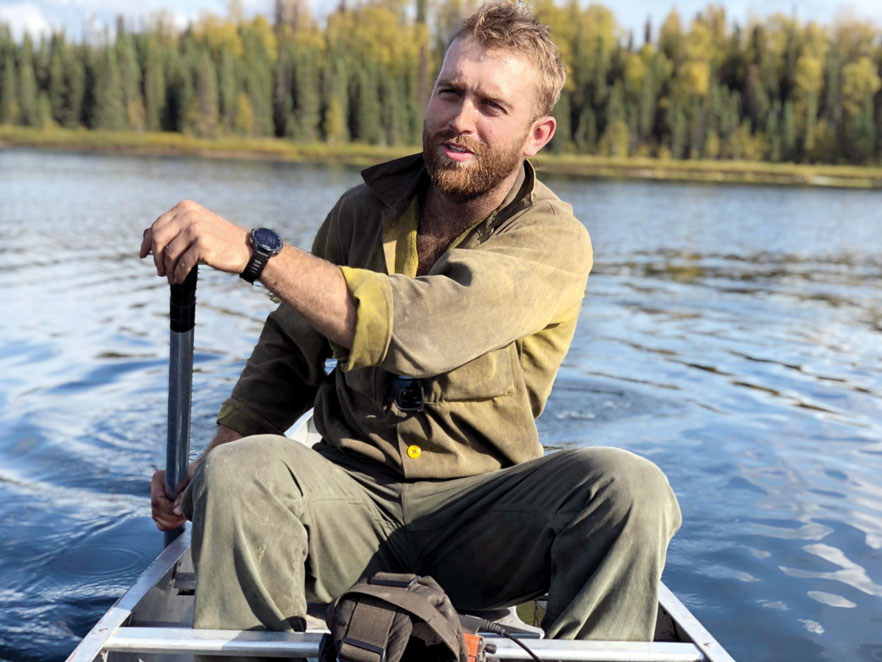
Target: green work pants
276, 524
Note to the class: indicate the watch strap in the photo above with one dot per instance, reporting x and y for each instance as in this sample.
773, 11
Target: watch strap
260, 254
255, 266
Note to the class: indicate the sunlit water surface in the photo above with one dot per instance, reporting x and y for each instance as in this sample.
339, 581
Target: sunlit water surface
730, 334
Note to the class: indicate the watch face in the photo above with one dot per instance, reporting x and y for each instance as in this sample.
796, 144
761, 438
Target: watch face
266, 240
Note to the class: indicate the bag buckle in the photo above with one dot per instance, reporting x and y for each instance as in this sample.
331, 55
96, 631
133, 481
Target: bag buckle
379, 651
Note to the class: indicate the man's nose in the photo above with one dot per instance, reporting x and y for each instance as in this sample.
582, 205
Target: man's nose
463, 120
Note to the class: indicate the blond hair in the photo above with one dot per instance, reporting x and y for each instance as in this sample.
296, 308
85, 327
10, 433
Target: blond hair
502, 25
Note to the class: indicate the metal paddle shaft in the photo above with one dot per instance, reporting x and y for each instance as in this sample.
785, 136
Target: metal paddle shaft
182, 316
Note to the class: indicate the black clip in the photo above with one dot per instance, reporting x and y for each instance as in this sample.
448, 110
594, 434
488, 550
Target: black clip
408, 394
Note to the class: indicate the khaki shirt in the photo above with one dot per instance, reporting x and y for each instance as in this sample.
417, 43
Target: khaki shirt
485, 330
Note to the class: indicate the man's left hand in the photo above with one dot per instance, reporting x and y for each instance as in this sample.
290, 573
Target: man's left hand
189, 233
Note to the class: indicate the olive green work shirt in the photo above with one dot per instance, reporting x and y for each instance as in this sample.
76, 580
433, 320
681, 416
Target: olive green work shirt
485, 331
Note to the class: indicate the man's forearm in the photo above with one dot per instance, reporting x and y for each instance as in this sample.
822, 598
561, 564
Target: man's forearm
189, 233
316, 289
222, 435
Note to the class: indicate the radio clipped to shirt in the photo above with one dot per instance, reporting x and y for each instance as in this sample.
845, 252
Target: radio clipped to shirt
409, 394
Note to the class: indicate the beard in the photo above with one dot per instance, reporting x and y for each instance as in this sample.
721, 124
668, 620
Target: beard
472, 179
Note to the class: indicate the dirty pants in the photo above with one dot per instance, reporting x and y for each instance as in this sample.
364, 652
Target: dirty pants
276, 524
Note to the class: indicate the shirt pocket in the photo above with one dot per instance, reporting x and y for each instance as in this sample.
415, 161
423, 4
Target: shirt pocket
488, 376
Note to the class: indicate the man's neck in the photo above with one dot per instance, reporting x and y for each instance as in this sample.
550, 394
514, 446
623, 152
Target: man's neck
443, 214
444, 218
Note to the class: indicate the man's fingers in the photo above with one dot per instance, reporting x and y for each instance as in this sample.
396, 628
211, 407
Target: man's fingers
158, 235
146, 243
185, 264
163, 236
159, 499
166, 512
173, 254
168, 523
157, 487
188, 234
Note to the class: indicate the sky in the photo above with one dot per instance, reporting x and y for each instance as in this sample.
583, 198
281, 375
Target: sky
40, 17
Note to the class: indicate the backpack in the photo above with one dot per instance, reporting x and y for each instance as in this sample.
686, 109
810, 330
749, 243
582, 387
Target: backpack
394, 617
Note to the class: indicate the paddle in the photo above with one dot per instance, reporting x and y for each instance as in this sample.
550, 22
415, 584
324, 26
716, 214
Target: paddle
182, 317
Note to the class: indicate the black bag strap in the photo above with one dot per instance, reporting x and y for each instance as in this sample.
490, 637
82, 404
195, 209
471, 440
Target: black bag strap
378, 619
368, 633
416, 605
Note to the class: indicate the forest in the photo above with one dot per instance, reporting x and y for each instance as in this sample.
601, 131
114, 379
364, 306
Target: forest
698, 87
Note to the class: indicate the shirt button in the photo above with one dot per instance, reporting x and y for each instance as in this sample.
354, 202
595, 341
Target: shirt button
413, 452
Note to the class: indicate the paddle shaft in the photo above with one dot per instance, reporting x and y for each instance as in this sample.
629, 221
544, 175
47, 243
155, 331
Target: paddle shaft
182, 319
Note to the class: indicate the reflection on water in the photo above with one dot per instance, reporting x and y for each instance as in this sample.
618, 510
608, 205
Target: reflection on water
729, 334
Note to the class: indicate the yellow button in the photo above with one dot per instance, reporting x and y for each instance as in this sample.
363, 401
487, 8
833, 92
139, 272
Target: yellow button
413, 452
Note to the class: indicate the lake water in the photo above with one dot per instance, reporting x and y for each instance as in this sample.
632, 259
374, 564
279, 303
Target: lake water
731, 334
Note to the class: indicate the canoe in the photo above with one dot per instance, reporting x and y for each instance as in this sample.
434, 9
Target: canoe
152, 622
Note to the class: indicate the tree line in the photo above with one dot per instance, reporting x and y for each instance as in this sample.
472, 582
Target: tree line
775, 90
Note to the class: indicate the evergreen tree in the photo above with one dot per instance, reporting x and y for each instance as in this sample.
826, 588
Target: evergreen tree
179, 94
679, 131
259, 51
364, 123
154, 84
282, 101
788, 133
616, 136
773, 131
44, 111
204, 110
129, 78
74, 88
57, 80
562, 141
27, 84
8, 79
334, 124
585, 136
41, 64
393, 110
307, 94
647, 105
228, 88
244, 123
108, 111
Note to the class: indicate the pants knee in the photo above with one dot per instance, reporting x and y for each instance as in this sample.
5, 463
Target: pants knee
632, 488
240, 470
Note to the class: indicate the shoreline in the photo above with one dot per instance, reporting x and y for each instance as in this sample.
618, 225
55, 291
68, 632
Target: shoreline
355, 154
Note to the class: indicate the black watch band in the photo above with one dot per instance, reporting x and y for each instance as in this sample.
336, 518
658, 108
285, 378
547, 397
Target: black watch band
265, 244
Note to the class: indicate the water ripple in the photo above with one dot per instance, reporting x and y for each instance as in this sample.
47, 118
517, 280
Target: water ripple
728, 334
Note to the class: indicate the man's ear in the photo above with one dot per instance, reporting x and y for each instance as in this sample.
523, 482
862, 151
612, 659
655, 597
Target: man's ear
541, 132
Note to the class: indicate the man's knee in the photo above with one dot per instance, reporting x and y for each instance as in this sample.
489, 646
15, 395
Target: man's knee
242, 469
629, 487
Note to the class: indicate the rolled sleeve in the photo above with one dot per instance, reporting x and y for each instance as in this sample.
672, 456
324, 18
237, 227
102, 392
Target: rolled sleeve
243, 419
372, 294
477, 299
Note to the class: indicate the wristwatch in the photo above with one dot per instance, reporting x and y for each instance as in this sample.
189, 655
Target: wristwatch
265, 244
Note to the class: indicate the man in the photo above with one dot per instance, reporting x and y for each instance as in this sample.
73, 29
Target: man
448, 288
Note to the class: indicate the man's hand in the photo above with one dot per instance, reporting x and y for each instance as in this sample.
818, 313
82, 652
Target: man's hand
187, 234
167, 513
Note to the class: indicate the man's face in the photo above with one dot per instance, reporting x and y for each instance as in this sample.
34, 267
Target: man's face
479, 118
